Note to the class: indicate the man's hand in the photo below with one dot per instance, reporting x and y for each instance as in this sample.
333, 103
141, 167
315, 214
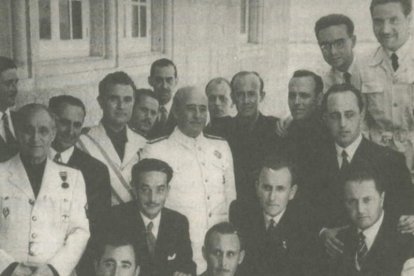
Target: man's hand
177, 273
282, 126
43, 270
406, 224
333, 246
22, 270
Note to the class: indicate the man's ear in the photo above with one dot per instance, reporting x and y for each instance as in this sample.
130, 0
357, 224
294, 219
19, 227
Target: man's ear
100, 101
241, 256
262, 96
150, 81
293, 191
354, 40
137, 270
204, 251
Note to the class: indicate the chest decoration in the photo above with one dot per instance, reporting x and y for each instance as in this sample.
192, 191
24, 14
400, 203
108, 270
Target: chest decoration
217, 154
64, 176
6, 212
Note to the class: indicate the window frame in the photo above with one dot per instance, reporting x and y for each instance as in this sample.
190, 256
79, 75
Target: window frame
57, 48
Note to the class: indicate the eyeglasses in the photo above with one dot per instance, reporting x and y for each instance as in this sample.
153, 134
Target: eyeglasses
338, 44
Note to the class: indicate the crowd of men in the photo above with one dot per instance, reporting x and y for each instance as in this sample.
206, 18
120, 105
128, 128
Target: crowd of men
168, 183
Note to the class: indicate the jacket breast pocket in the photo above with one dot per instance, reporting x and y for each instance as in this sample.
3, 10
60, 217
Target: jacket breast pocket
375, 98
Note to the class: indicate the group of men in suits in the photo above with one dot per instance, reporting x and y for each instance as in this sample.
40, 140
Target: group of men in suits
249, 195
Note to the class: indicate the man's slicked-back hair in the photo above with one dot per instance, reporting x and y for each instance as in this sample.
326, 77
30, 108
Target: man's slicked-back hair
115, 78
218, 80
363, 171
246, 73
163, 62
6, 64
115, 237
57, 102
223, 228
406, 5
342, 88
151, 165
280, 161
27, 110
144, 92
334, 20
316, 78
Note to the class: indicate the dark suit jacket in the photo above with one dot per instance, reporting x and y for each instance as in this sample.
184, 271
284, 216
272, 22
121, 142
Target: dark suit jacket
98, 193
291, 250
11, 149
249, 148
386, 257
173, 248
159, 130
324, 189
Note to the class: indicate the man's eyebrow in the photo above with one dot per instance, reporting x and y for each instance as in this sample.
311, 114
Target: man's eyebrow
126, 262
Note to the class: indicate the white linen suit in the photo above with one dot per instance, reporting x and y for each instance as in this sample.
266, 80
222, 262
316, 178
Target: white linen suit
50, 229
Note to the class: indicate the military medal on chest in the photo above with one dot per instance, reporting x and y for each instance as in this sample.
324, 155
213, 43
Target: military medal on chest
64, 176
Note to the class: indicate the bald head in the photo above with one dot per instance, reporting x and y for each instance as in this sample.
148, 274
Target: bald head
35, 131
190, 110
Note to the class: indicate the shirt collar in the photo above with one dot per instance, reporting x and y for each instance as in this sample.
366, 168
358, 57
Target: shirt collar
156, 222
350, 70
168, 106
402, 52
371, 232
64, 155
276, 219
350, 150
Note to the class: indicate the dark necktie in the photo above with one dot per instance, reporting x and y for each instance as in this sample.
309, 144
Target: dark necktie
362, 250
58, 158
163, 115
9, 136
347, 78
345, 162
151, 240
272, 226
394, 61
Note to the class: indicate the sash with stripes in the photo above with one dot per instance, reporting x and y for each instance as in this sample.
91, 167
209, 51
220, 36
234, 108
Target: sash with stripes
114, 168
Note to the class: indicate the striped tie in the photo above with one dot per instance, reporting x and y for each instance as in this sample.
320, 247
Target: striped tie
362, 250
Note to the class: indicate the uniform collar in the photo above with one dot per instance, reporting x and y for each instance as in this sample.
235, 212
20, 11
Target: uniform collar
382, 54
188, 141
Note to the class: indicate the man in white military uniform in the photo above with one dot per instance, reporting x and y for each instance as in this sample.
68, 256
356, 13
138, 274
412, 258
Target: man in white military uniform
388, 77
43, 223
112, 141
202, 187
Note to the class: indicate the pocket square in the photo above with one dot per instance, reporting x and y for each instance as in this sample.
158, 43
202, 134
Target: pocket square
171, 257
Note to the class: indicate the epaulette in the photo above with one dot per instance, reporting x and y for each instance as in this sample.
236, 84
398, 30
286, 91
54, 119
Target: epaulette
214, 137
157, 140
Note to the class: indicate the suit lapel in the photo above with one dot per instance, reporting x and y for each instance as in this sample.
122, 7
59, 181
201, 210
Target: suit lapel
19, 176
163, 235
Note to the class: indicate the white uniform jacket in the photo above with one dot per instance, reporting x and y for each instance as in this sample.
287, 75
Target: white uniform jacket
52, 229
389, 99
97, 143
202, 186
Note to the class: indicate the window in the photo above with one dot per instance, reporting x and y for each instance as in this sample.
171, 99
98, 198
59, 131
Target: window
244, 20
251, 15
63, 28
136, 26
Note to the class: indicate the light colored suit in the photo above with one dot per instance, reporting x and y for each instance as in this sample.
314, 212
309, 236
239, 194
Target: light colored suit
202, 186
52, 229
97, 143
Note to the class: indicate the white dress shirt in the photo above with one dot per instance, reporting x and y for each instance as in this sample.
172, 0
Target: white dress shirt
350, 150
155, 221
276, 219
64, 155
167, 107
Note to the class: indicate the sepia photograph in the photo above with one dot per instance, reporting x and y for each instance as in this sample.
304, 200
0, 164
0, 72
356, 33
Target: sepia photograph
206, 138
